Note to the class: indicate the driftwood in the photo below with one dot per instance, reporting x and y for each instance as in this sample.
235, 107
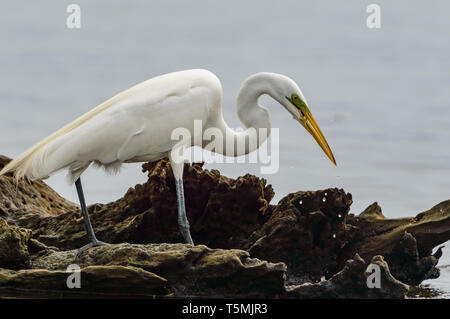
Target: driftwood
240, 236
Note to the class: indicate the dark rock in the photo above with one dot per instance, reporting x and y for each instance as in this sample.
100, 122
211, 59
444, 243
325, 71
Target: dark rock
438, 253
307, 231
311, 232
373, 211
24, 202
424, 291
407, 264
351, 282
405, 243
13, 246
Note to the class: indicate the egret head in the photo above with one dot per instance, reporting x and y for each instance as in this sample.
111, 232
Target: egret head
286, 92
295, 103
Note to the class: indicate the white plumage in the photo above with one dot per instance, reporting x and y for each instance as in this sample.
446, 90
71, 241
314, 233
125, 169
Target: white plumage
133, 126
136, 126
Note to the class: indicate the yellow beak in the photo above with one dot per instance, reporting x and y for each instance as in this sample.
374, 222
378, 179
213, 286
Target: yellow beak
311, 126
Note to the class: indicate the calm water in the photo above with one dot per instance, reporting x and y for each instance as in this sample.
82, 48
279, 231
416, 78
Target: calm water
380, 96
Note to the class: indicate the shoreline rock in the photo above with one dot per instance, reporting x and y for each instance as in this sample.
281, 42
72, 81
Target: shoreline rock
281, 251
351, 282
178, 269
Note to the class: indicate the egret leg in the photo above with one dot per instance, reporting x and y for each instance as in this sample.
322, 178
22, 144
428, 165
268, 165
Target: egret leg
183, 222
87, 222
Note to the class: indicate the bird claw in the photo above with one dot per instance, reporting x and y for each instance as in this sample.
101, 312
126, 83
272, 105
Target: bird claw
186, 234
91, 244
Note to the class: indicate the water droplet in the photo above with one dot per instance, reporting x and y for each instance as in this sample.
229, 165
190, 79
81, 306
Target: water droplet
322, 278
334, 235
324, 199
340, 216
325, 194
300, 202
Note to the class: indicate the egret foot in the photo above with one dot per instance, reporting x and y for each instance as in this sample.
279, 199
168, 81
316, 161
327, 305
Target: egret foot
91, 244
184, 229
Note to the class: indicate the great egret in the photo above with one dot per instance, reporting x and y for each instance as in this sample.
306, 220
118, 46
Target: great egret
136, 125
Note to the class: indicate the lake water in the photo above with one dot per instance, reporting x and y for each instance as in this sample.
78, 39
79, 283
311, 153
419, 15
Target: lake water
380, 96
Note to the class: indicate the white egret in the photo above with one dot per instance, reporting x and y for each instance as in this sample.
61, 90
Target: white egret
136, 126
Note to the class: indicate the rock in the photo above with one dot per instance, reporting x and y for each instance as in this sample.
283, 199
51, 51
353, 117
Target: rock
390, 287
352, 282
250, 241
307, 231
13, 246
408, 266
189, 270
115, 280
424, 291
22, 200
373, 211
405, 243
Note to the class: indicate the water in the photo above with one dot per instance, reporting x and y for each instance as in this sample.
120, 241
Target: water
380, 96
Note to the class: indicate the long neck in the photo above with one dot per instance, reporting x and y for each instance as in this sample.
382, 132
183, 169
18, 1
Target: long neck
254, 116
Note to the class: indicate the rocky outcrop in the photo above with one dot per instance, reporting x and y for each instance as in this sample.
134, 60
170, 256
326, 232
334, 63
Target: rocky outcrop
94, 280
152, 269
307, 231
13, 246
406, 243
244, 243
352, 281
22, 200
189, 270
